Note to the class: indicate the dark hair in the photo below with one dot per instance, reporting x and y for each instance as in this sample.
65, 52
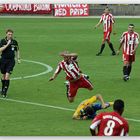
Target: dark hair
9, 30
118, 105
107, 8
132, 25
89, 110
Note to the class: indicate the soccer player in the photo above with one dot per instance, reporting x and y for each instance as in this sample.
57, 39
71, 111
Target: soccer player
129, 42
110, 123
73, 75
88, 108
108, 20
7, 61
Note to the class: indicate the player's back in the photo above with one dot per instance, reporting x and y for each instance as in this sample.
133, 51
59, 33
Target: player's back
112, 124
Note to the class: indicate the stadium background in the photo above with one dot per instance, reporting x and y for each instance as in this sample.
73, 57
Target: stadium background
26, 112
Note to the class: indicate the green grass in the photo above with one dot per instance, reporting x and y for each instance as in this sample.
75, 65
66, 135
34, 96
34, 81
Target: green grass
42, 40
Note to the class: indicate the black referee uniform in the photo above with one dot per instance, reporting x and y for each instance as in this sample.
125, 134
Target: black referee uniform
7, 62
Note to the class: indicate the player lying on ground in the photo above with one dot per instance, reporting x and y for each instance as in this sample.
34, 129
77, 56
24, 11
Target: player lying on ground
73, 75
88, 108
110, 123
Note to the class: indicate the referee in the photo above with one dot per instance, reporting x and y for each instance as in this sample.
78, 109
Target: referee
7, 61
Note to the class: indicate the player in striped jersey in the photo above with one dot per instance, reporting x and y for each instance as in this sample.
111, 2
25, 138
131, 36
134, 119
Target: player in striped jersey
73, 75
108, 20
129, 42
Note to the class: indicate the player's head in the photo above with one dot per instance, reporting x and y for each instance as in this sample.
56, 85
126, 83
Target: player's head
65, 56
89, 111
118, 106
107, 10
131, 27
9, 34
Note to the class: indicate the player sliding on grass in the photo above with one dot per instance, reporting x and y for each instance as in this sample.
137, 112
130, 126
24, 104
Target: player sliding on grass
129, 42
88, 108
73, 75
108, 20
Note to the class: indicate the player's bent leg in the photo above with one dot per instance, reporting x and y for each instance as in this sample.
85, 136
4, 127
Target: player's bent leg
86, 84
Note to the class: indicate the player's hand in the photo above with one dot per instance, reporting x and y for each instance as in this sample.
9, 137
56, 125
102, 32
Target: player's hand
118, 52
132, 52
52, 78
18, 61
114, 33
84, 117
95, 26
103, 106
8, 43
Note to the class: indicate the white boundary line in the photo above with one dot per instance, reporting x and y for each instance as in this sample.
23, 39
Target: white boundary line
48, 69
50, 106
37, 104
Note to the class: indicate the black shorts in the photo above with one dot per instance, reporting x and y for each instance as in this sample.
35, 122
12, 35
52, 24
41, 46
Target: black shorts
7, 65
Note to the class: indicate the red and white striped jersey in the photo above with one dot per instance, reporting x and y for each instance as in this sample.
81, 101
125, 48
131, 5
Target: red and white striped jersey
107, 20
110, 124
129, 41
71, 69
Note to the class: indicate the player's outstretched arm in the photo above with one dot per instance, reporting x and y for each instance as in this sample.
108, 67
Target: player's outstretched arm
53, 77
119, 48
18, 56
97, 25
100, 98
57, 71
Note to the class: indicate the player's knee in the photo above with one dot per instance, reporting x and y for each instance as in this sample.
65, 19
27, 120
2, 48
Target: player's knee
71, 99
91, 88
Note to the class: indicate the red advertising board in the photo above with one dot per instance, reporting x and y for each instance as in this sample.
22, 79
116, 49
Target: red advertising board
71, 10
26, 8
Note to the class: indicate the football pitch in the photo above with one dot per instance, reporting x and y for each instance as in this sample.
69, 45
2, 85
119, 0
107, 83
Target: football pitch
36, 107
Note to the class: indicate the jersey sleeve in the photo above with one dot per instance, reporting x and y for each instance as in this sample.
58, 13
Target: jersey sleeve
126, 129
96, 121
101, 19
137, 39
16, 43
112, 19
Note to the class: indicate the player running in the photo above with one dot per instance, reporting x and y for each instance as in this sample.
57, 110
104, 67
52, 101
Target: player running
129, 42
73, 75
88, 108
110, 123
108, 20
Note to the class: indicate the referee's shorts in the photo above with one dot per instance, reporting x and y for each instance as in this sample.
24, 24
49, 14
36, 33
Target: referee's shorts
7, 65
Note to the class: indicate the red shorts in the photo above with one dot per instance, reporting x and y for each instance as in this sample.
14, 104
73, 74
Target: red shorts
107, 35
129, 58
80, 83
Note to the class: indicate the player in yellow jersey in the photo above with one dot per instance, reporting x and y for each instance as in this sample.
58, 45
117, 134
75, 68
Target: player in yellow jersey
88, 108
